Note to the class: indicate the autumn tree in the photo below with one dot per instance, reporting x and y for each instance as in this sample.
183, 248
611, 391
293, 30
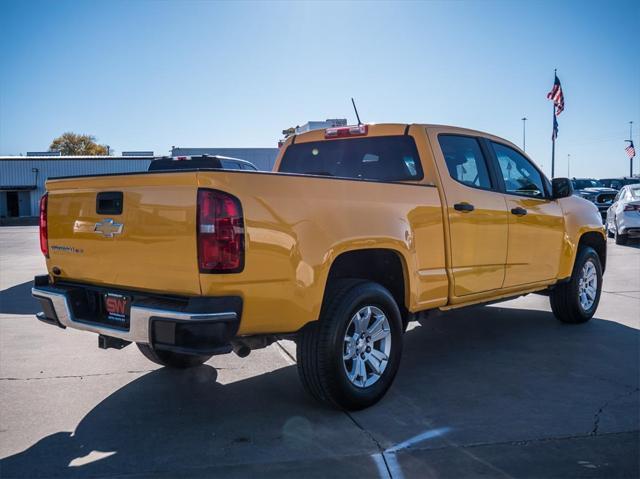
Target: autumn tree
73, 144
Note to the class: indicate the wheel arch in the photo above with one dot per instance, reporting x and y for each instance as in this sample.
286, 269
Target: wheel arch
384, 266
598, 242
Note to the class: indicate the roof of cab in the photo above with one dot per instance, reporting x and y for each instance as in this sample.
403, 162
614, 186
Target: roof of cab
385, 129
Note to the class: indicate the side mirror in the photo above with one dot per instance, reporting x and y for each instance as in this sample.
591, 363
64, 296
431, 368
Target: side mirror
561, 188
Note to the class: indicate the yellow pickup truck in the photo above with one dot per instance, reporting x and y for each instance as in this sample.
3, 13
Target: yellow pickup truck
356, 232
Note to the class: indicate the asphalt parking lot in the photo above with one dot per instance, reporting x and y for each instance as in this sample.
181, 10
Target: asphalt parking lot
493, 391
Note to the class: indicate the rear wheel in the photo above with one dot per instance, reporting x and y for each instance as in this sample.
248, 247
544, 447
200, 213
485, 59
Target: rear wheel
171, 359
577, 300
350, 356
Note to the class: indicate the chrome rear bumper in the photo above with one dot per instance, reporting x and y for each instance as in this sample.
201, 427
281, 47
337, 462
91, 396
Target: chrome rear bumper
57, 309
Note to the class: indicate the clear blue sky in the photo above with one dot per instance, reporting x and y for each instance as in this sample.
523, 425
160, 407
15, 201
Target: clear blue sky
151, 74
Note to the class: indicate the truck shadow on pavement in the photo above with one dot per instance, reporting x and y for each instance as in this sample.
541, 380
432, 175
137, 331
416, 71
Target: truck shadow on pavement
486, 374
18, 300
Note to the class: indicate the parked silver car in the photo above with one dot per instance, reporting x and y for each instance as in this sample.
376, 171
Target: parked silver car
623, 216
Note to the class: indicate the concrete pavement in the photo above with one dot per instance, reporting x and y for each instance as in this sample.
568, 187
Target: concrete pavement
495, 391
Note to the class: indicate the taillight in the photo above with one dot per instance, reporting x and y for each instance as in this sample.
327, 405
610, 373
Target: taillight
44, 235
346, 131
220, 232
631, 207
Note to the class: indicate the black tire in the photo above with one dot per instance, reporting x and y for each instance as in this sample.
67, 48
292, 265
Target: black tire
171, 359
320, 346
610, 233
620, 239
564, 298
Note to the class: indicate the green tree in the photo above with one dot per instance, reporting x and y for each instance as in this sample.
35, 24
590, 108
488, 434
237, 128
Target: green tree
73, 144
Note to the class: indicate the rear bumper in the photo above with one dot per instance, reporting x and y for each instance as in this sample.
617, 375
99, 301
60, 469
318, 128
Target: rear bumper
201, 325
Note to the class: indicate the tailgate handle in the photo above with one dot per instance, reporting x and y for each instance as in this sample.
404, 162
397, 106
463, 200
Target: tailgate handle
109, 203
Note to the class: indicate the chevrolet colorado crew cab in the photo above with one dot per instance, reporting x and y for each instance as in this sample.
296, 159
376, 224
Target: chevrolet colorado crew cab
357, 231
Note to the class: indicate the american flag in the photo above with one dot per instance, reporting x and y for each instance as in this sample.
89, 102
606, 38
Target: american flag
556, 95
631, 151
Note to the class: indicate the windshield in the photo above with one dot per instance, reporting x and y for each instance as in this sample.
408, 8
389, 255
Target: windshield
384, 158
582, 184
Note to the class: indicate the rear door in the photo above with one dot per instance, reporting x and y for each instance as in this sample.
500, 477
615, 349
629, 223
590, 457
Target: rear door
126, 231
536, 223
476, 213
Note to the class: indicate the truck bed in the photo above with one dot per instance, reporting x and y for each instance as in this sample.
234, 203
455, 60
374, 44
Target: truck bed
295, 225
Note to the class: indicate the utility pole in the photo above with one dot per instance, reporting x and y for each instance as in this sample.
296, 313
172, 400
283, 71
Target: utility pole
524, 133
568, 165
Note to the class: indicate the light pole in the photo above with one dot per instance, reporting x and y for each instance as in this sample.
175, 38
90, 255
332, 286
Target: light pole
524, 133
568, 165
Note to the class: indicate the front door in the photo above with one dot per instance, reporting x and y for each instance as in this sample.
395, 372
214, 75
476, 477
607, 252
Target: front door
536, 223
476, 213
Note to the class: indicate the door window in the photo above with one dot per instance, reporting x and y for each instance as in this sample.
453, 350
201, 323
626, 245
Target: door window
520, 176
465, 160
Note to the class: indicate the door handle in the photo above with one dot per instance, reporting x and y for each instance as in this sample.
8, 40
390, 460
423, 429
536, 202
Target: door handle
464, 207
518, 211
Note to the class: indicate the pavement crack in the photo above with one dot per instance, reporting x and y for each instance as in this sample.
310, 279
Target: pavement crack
76, 376
372, 438
596, 417
286, 353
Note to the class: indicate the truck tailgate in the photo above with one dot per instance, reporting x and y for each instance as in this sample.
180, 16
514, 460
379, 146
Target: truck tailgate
154, 250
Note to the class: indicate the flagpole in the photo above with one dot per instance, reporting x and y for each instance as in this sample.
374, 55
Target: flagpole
631, 140
553, 136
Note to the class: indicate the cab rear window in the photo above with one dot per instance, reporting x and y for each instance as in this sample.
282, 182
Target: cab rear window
383, 158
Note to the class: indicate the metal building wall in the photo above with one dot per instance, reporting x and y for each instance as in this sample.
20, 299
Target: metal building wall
16, 172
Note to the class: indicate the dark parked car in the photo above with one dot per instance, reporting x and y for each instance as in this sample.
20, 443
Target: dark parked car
618, 183
596, 192
202, 162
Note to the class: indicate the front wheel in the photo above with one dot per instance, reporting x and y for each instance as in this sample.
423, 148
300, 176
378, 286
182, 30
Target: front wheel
620, 238
350, 356
576, 301
171, 359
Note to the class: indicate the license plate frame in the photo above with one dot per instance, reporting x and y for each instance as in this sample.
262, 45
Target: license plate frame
117, 310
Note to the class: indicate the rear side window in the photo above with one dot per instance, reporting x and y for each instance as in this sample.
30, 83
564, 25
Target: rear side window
192, 164
465, 160
383, 158
230, 165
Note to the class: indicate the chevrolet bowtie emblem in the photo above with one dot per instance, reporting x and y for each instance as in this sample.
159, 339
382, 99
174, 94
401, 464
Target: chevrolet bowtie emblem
108, 228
